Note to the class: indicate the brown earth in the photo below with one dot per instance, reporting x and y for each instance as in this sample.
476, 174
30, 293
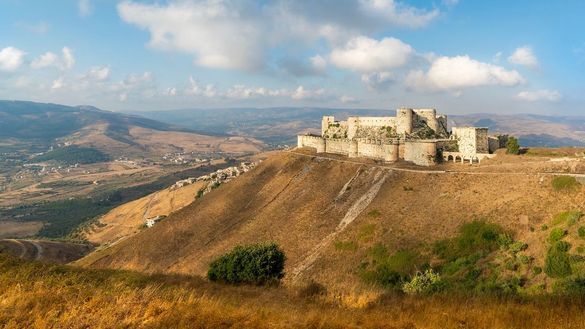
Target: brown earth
44, 251
127, 219
305, 203
9, 228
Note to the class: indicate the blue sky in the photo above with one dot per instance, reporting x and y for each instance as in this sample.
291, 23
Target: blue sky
458, 56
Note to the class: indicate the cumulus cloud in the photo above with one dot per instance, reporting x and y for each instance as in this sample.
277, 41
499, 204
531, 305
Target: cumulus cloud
50, 59
11, 58
319, 63
68, 58
195, 89
539, 95
459, 72
58, 83
378, 80
363, 54
399, 14
45, 60
302, 94
524, 56
232, 34
98, 73
84, 8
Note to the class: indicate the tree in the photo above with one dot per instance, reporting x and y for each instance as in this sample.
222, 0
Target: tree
255, 264
513, 147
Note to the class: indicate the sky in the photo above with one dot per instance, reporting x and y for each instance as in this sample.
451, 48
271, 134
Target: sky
459, 56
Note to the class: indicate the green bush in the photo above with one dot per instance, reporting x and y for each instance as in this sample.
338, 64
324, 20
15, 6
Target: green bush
557, 263
254, 264
536, 270
475, 237
565, 183
423, 283
570, 217
556, 234
512, 146
581, 231
390, 270
518, 246
544, 227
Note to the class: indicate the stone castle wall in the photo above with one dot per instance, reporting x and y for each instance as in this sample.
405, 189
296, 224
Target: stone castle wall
316, 142
422, 153
337, 146
379, 151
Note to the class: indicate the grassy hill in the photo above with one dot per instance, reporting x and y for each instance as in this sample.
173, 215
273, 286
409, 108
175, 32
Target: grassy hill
346, 224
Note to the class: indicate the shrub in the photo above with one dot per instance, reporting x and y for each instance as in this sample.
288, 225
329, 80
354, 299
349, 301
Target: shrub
544, 227
475, 237
366, 232
557, 263
390, 270
565, 183
255, 264
567, 217
423, 283
374, 213
536, 270
556, 234
512, 146
518, 246
505, 240
581, 231
524, 259
345, 245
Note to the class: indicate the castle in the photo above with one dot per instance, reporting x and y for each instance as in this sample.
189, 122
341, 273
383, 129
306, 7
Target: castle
419, 136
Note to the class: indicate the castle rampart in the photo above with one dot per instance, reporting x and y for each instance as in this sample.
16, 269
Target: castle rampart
419, 136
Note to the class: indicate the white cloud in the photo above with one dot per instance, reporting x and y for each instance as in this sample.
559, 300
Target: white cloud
319, 63
524, 56
459, 72
220, 35
58, 83
345, 99
369, 55
48, 59
378, 80
11, 58
399, 14
98, 73
539, 95
231, 34
84, 8
196, 89
302, 94
171, 91
45, 60
68, 58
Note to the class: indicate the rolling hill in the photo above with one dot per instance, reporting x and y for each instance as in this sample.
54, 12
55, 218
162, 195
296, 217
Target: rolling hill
336, 219
280, 125
36, 126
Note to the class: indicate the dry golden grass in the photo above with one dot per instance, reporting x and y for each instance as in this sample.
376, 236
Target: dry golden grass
34, 295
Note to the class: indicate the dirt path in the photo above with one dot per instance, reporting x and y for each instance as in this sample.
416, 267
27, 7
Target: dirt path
21, 245
351, 214
38, 249
441, 172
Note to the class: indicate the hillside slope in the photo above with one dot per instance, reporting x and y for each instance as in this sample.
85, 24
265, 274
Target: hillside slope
36, 126
312, 205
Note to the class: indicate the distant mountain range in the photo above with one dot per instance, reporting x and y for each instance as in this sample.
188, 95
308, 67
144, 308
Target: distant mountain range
34, 127
281, 125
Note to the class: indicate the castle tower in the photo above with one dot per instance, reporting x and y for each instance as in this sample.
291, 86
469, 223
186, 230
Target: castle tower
429, 116
404, 121
352, 126
327, 120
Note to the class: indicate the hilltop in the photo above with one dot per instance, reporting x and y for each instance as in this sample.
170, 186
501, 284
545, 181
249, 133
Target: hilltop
330, 215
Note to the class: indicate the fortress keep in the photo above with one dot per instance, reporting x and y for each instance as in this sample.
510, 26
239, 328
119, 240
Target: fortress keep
419, 136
